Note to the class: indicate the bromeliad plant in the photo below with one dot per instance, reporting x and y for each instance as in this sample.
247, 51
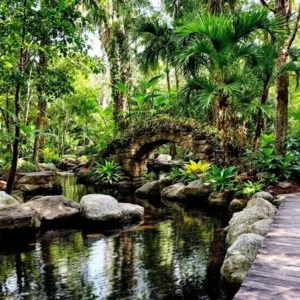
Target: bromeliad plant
182, 175
221, 179
106, 172
191, 172
199, 168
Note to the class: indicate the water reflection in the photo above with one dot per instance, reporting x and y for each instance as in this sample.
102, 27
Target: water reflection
175, 254
72, 190
164, 260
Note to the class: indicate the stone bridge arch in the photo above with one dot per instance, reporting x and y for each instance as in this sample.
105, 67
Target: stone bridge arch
132, 151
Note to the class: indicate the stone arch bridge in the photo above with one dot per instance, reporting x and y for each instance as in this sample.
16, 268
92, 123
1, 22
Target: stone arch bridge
132, 151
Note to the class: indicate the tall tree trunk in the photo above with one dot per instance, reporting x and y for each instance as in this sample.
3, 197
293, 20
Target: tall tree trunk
283, 8
42, 106
215, 6
21, 67
281, 104
168, 82
176, 79
260, 118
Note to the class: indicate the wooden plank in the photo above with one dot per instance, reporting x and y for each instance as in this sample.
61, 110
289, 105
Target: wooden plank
275, 273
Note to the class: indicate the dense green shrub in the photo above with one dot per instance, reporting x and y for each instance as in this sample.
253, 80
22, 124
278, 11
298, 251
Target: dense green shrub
221, 179
28, 166
105, 172
267, 161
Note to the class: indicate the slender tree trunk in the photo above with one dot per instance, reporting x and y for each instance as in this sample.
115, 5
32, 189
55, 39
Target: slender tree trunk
177, 79
21, 67
260, 118
282, 100
42, 107
168, 82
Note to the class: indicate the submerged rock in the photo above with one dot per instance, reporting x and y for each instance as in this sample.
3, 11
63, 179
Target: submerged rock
21, 216
55, 208
6, 199
132, 212
240, 256
153, 188
174, 192
264, 195
198, 190
101, 208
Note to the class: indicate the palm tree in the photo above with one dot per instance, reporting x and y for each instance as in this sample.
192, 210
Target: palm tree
265, 69
217, 49
112, 20
155, 39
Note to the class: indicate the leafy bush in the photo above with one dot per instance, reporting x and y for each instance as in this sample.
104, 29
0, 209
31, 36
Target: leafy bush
182, 175
267, 161
90, 150
47, 155
221, 179
249, 188
106, 172
149, 176
28, 166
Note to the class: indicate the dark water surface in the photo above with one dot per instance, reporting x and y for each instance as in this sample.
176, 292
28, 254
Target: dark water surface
174, 254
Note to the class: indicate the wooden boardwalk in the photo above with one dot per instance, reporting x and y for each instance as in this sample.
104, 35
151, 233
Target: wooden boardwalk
275, 273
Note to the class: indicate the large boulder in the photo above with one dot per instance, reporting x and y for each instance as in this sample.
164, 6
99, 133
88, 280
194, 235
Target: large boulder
55, 208
240, 256
264, 195
256, 210
263, 206
38, 183
6, 199
153, 188
131, 212
241, 221
174, 192
198, 190
101, 208
261, 227
18, 217
221, 199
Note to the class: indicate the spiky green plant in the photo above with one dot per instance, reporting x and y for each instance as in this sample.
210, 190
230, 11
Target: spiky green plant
106, 172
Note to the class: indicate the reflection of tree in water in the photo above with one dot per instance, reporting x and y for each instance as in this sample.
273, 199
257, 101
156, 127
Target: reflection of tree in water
164, 260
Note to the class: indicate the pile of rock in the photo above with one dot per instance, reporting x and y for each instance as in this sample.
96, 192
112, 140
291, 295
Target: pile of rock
96, 209
245, 235
196, 191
